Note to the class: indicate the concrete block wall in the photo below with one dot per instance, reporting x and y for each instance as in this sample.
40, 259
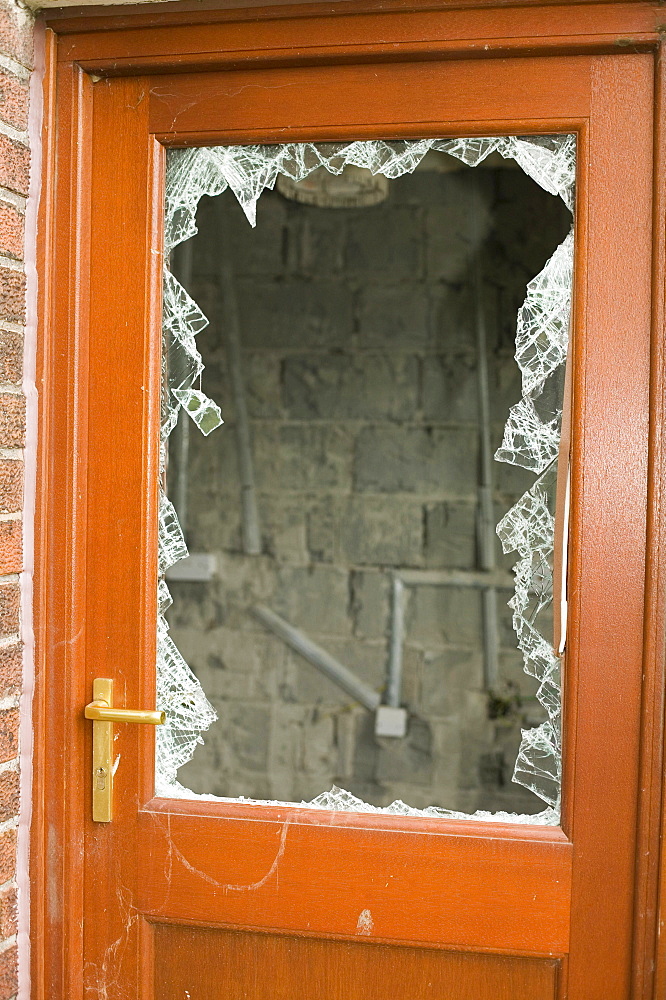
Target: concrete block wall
360, 371
16, 56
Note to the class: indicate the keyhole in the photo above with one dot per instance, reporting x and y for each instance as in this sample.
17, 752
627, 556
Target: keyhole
100, 775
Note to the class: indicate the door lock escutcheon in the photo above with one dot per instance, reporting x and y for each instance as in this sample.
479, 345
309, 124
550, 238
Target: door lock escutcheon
103, 714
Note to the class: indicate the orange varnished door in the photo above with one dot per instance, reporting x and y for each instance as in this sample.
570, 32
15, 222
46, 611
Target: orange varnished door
200, 900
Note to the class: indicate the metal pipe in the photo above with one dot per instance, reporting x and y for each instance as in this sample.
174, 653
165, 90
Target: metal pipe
457, 578
183, 452
232, 338
486, 522
394, 672
318, 657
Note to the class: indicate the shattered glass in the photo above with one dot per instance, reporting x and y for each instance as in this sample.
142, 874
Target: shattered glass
529, 529
531, 437
339, 800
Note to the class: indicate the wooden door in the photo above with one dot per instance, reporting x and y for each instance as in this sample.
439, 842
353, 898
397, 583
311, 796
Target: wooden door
185, 899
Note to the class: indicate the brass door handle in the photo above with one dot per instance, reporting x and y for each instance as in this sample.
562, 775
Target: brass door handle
100, 711
103, 715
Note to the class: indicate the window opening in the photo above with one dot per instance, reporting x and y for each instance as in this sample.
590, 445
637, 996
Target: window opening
358, 176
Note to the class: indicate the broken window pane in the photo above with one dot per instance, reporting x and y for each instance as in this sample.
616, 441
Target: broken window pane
344, 602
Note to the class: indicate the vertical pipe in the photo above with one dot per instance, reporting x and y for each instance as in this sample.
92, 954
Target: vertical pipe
394, 673
232, 338
183, 452
183, 425
486, 529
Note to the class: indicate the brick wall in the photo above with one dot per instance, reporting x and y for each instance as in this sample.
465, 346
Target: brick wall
16, 46
360, 368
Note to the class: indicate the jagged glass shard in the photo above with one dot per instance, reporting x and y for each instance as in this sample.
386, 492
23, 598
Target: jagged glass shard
188, 711
171, 544
528, 441
250, 170
182, 365
475, 150
204, 412
549, 694
538, 766
550, 160
542, 333
531, 439
164, 599
181, 316
339, 800
529, 529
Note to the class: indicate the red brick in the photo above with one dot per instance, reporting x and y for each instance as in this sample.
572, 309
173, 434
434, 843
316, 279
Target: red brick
9, 735
11, 485
7, 855
14, 165
8, 973
13, 100
10, 603
11, 355
8, 914
9, 806
12, 225
16, 33
12, 420
11, 669
12, 295
11, 546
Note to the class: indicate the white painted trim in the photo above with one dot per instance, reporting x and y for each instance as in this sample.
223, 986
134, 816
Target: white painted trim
26, 734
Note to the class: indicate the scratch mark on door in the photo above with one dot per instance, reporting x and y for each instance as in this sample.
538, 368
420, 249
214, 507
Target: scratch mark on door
175, 852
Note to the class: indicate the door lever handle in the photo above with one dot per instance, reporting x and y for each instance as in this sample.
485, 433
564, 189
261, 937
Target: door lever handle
102, 713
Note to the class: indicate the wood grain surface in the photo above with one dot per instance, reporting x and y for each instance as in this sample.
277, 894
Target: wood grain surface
479, 911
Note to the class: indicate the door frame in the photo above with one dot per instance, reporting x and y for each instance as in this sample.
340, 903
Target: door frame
149, 40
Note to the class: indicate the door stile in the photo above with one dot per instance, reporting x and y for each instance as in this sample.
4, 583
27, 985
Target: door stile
650, 974
608, 519
123, 460
574, 561
154, 250
57, 865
